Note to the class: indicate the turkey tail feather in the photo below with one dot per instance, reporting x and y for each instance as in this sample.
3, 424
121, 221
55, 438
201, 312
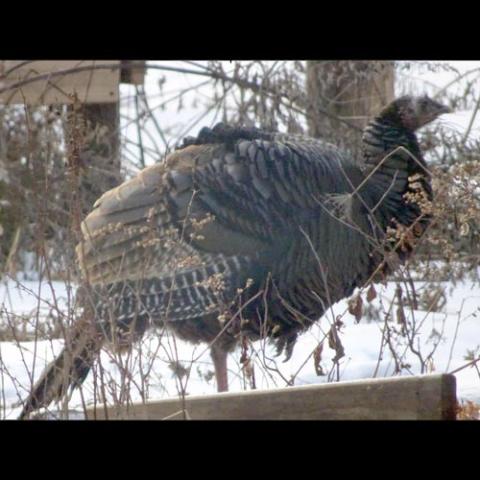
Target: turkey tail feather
67, 371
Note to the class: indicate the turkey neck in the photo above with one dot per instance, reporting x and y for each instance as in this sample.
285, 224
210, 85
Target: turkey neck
394, 172
381, 137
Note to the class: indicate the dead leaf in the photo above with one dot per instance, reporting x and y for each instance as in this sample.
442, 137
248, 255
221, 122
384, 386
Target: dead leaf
355, 307
317, 358
371, 294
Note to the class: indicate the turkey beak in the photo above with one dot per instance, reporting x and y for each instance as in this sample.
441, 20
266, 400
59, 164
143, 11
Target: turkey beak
440, 109
444, 109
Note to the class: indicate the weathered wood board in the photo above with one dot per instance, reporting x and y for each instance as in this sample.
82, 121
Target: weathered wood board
54, 87
428, 397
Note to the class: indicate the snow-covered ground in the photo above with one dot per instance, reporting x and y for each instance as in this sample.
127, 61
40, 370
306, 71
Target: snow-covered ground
456, 326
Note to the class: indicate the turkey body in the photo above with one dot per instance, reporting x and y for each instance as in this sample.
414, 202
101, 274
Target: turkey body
239, 233
243, 232
259, 217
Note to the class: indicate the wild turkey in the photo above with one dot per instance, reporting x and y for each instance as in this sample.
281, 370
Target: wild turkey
242, 232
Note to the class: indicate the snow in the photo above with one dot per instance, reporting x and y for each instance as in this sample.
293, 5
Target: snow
457, 323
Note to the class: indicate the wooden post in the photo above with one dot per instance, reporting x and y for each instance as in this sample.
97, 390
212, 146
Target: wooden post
429, 397
100, 151
351, 90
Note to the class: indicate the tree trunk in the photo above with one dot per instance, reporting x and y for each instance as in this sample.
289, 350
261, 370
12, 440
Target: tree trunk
350, 90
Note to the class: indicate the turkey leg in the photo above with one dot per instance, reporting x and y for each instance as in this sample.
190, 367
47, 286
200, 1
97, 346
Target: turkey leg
219, 357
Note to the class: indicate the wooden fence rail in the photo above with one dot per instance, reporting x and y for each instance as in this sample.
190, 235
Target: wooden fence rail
429, 397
